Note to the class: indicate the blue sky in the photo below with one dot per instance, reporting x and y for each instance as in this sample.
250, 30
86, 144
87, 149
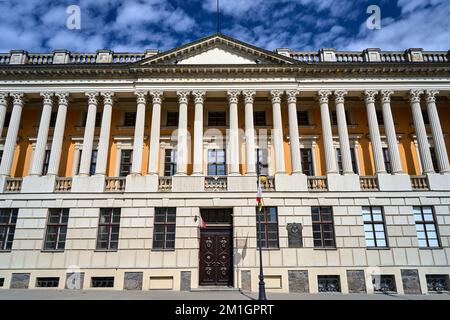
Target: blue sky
136, 25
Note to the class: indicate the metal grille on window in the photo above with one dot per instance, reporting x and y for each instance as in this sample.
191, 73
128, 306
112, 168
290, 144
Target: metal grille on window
268, 233
170, 162
374, 229
384, 283
426, 228
438, 282
108, 229
126, 158
55, 238
8, 220
216, 162
323, 228
102, 282
164, 228
329, 283
47, 282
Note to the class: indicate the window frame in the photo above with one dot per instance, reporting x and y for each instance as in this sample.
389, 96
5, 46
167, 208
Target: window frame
110, 224
261, 116
170, 162
264, 168
10, 225
216, 123
46, 162
126, 119
265, 211
372, 222
321, 223
300, 123
165, 225
170, 117
309, 162
216, 163
60, 224
387, 160
122, 165
424, 223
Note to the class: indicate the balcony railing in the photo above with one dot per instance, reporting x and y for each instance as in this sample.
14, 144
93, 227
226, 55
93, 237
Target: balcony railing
368, 183
165, 184
216, 183
317, 183
13, 184
115, 184
267, 183
419, 183
63, 184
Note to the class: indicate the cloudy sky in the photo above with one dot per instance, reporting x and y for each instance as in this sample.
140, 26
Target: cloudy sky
136, 25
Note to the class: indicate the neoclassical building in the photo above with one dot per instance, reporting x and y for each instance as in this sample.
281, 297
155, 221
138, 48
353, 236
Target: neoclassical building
110, 162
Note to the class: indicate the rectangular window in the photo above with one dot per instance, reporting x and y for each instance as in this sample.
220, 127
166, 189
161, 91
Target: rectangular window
374, 228
426, 228
434, 159
93, 162
307, 161
384, 283
302, 118
55, 236
126, 158
217, 118
334, 118
438, 282
323, 228
98, 119
2, 282
330, 283
47, 282
172, 119
46, 162
108, 229
216, 162
8, 219
129, 119
102, 282
339, 160
170, 162
259, 118
380, 118
267, 233
53, 119
387, 160
164, 228
262, 162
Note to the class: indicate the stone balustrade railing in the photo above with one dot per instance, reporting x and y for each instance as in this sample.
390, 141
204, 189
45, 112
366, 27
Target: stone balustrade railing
115, 184
419, 183
13, 184
317, 183
165, 184
267, 183
215, 183
368, 183
63, 184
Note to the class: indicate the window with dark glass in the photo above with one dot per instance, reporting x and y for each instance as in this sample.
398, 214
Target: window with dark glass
259, 118
46, 162
126, 157
172, 119
98, 119
387, 160
426, 119
108, 229
323, 228
374, 228
47, 282
267, 232
93, 164
384, 283
438, 282
262, 161
164, 228
302, 118
339, 160
329, 283
129, 119
55, 235
8, 220
426, 227
217, 215
53, 119
7, 119
170, 162
334, 118
216, 162
102, 282
217, 118
434, 159
307, 161
380, 118
2, 282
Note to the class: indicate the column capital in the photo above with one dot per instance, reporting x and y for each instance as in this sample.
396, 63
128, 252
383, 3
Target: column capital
369, 95
276, 95
414, 95
292, 96
108, 97
4, 98
430, 95
199, 96
141, 96
249, 96
386, 95
18, 98
63, 98
233, 96
183, 96
47, 97
339, 96
157, 96
323, 95
92, 97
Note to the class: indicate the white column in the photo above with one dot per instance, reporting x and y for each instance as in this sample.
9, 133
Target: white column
105, 130
249, 96
11, 136
293, 131
58, 134
389, 129
330, 156
421, 133
3, 108
182, 142
41, 143
343, 132
233, 97
76, 160
153, 155
374, 130
280, 166
198, 132
138, 142
436, 131
89, 130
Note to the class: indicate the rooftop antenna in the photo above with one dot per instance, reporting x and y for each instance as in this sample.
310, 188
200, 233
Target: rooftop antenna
218, 17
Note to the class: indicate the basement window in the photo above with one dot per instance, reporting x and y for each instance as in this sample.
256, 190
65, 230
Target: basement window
47, 282
330, 283
384, 283
438, 282
102, 282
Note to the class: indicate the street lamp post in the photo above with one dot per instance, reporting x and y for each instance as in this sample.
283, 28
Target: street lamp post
262, 285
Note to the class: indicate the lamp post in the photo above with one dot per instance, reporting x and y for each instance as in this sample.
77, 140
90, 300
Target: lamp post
262, 285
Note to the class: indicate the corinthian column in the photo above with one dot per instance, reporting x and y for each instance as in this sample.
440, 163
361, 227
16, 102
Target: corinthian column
344, 142
375, 138
39, 151
233, 97
436, 131
278, 131
89, 130
421, 133
293, 131
182, 142
138, 142
3, 107
198, 132
249, 96
330, 157
105, 130
153, 156
58, 134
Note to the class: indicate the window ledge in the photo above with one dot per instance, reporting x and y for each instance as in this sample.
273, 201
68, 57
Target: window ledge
331, 248
51, 251
100, 250
163, 250
431, 248
378, 248
5, 251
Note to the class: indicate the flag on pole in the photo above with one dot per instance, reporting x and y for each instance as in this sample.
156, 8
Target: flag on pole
202, 223
259, 196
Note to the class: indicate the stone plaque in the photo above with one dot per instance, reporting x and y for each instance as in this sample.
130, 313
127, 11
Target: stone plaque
133, 281
74, 280
185, 281
298, 281
356, 281
295, 235
246, 279
411, 282
20, 281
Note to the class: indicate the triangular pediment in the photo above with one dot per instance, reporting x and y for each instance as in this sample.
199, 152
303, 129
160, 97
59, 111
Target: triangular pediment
217, 50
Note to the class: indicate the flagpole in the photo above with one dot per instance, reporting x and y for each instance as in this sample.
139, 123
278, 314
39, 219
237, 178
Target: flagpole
262, 285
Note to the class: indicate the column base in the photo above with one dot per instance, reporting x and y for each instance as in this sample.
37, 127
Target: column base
138, 183
394, 182
242, 183
188, 183
439, 181
294, 182
86, 184
348, 182
38, 184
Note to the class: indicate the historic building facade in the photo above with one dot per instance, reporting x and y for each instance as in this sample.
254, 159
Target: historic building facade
110, 162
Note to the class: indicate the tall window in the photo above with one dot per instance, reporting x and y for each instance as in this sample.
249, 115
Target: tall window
46, 162
217, 118
126, 157
339, 160
268, 232
216, 162
170, 162
323, 228
426, 227
259, 118
262, 161
108, 229
302, 118
434, 159
172, 119
374, 229
8, 219
387, 160
307, 161
129, 119
55, 237
93, 164
164, 228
